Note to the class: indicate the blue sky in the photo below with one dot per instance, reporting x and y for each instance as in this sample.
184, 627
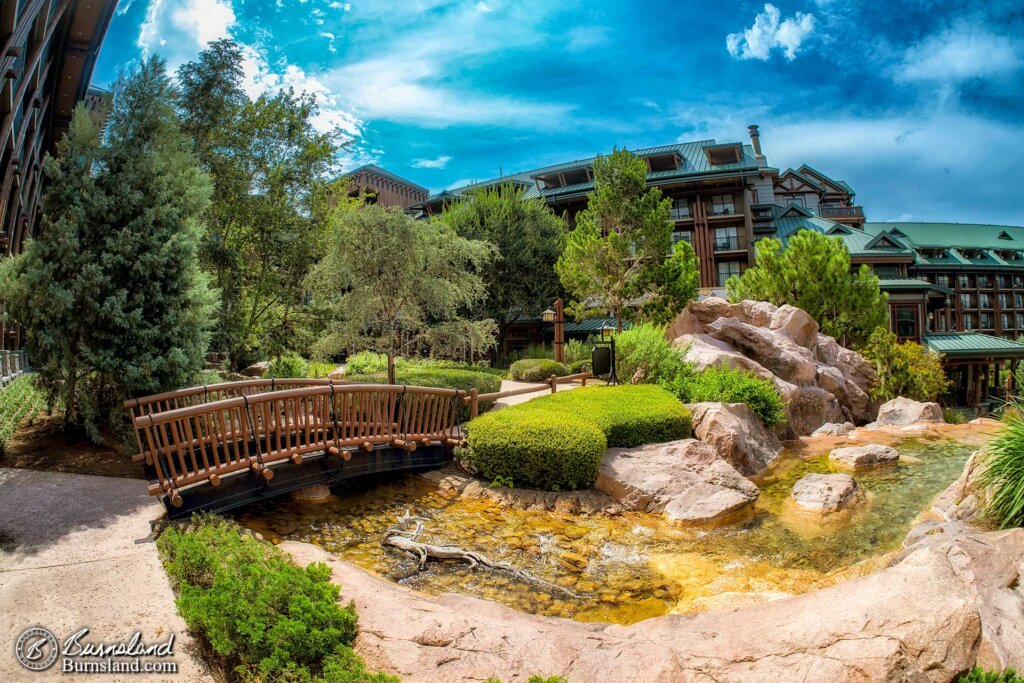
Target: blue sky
915, 103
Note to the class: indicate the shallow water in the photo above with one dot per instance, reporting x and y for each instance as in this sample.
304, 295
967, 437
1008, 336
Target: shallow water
632, 566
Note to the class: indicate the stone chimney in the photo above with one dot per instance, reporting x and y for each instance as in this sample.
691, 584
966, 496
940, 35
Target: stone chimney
755, 141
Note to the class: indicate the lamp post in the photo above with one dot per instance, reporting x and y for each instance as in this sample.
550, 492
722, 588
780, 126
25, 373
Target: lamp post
557, 316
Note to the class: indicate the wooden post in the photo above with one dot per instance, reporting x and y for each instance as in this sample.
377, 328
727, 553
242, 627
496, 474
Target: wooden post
474, 404
553, 383
969, 394
585, 373
559, 330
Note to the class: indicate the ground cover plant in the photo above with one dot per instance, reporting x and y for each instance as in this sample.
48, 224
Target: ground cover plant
556, 442
19, 400
1003, 472
261, 617
979, 675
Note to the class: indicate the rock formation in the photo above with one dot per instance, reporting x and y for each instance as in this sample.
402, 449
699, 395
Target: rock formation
821, 381
864, 456
687, 480
904, 411
834, 429
825, 492
737, 433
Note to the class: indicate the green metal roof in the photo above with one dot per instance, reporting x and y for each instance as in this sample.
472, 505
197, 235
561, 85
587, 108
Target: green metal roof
973, 344
957, 235
909, 283
593, 325
377, 170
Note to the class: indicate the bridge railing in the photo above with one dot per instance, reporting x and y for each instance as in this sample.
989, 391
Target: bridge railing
252, 431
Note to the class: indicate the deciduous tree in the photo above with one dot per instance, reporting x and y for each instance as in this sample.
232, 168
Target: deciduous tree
619, 260
813, 273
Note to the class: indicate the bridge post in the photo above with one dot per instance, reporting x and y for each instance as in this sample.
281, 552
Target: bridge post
553, 383
474, 404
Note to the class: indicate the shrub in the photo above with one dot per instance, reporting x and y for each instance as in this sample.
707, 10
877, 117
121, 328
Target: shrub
575, 351
19, 401
979, 675
644, 355
955, 416
730, 386
366, 361
554, 452
1003, 471
262, 616
550, 443
319, 369
445, 378
536, 370
288, 364
576, 367
904, 369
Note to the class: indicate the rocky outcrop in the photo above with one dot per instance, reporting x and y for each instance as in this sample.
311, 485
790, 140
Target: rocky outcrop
905, 411
737, 433
257, 369
821, 381
588, 501
687, 480
825, 492
941, 606
834, 429
859, 457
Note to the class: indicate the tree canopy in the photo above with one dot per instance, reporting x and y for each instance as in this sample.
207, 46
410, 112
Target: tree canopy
388, 281
814, 273
619, 260
904, 369
111, 293
528, 238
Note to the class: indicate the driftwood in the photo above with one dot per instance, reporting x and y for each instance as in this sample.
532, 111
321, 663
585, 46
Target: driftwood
402, 538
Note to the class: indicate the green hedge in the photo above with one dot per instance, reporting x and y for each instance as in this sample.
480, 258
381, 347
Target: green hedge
263, 617
730, 386
556, 442
536, 369
445, 378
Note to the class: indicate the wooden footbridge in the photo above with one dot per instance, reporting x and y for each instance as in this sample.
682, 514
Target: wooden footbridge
221, 446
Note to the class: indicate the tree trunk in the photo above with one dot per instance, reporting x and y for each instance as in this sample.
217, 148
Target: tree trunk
391, 367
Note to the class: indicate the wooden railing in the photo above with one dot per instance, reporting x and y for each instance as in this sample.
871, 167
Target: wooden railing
204, 440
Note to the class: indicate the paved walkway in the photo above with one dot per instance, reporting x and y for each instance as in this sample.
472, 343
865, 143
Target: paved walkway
75, 552
543, 390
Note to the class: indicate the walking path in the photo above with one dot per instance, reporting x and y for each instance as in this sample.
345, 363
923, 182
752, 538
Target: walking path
75, 552
543, 390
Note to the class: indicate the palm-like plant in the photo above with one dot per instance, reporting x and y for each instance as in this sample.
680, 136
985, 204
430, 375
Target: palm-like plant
1003, 473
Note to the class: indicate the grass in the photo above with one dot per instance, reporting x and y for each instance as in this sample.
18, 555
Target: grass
19, 401
1003, 472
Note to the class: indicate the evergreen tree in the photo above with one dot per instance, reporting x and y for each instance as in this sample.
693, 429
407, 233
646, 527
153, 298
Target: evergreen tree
813, 272
528, 236
619, 260
387, 280
111, 293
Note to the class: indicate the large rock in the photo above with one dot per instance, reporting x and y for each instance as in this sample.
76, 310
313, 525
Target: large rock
796, 324
685, 323
812, 408
737, 433
905, 411
825, 492
257, 369
834, 429
859, 457
711, 309
925, 618
687, 480
705, 352
776, 352
756, 312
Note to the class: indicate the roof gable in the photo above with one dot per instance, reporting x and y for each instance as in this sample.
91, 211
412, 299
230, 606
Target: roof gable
885, 240
791, 181
830, 185
374, 169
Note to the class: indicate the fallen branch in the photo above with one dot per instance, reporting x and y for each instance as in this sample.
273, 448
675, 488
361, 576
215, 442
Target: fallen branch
403, 539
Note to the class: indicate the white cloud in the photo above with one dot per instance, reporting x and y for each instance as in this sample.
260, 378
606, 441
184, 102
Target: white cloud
586, 37
768, 32
178, 30
439, 162
959, 53
340, 5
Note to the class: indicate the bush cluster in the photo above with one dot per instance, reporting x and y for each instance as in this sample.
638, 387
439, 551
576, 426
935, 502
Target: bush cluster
904, 369
19, 400
727, 385
645, 356
288, 364
1003, 471
556, 442
536, 369
263, 616
979, 675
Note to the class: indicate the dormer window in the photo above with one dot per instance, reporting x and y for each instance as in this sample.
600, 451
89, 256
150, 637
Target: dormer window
1005, 235
723, 154
663, 162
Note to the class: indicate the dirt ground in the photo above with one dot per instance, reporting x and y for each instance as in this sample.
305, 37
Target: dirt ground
42, 445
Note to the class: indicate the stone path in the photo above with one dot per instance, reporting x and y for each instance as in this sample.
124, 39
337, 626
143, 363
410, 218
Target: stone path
543, 390
75, 552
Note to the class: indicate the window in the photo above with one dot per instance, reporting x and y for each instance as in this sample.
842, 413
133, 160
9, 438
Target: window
1020, 320
727, 239
905, 321
680, 208
985, 300
968, 301
943, 280
727, 269
985, 282
887, 271
1018, 280
1019, 300
753, 195
1007, 321
970, 322
965, 281
1004, 281
988, 321
722, 205
1005, 301
681, 236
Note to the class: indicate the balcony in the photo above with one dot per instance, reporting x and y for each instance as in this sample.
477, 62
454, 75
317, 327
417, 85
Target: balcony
842, 212
722, 212
729, 243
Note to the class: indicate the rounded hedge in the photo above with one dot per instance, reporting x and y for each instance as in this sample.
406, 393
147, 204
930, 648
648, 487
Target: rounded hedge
543, 451
536, 369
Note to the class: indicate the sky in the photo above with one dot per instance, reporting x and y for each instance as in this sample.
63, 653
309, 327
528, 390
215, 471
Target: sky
916, 103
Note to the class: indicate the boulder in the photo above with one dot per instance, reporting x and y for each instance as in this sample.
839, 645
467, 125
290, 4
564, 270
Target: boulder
257, 369
756, 312
826, 349
812, 408
825, 492
796, 324
337, 374
834, 429
685, 323
737, 433
776, 352
855, 369
905, 411
687, 480
711, 309
864, 456
705, 352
